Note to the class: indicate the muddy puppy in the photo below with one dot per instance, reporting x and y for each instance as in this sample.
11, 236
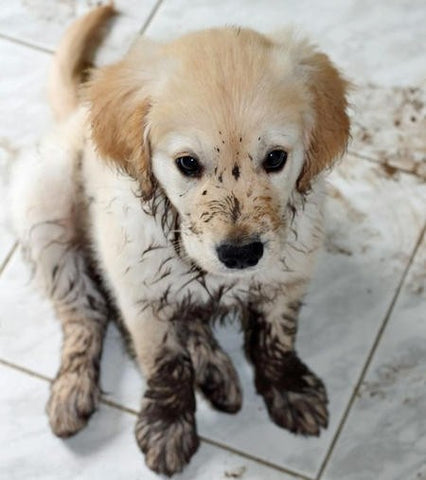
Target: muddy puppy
182, 184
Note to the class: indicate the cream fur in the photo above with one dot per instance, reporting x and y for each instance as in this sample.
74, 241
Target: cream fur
103, 192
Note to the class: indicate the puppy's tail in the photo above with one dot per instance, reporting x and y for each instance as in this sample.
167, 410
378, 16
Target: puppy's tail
74, 57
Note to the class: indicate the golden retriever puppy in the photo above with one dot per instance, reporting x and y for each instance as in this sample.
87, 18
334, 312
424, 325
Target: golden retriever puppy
183, 184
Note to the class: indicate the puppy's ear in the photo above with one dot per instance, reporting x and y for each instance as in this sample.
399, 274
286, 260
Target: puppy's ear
118, 109
330, 132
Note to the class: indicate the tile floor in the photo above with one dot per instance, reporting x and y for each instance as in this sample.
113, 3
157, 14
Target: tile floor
363, 326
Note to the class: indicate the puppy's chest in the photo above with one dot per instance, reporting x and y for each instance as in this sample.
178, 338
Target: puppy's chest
144, 268
141, 264
160, 279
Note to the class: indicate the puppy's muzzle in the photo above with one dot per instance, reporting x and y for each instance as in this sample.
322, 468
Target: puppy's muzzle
240, 256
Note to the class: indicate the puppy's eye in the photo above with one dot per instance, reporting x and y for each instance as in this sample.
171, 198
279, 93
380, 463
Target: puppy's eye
189, 166
275, 161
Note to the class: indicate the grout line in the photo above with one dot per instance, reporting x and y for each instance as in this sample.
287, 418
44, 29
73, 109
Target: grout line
220, 445
51, 51
370, 355
150, 17
9, 255
26, 43
131, 411
118, 406
378, 162
255, 459
32, 373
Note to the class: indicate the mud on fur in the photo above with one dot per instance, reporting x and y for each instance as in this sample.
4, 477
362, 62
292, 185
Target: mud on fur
142, 208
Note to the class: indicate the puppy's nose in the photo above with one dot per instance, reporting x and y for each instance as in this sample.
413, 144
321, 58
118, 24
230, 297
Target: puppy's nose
240, 256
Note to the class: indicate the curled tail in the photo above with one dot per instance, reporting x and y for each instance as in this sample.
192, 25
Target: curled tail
73, 57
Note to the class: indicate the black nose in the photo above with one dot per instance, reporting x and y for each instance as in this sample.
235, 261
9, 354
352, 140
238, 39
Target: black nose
240, 256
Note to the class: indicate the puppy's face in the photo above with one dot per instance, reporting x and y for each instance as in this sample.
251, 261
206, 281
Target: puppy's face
235, 124
228, 160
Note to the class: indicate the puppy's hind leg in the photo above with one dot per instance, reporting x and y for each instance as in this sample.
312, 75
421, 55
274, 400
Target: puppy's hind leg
83, 312
62, 270
47, 214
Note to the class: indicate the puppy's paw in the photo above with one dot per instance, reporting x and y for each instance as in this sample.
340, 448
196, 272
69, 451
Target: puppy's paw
296, 399
73, 399
301, 412
220, 384
167, 440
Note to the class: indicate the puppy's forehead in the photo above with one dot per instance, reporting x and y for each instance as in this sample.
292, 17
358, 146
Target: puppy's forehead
223, 144
229, 81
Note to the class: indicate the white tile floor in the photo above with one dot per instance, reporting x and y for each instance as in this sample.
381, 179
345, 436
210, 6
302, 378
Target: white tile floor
363, 325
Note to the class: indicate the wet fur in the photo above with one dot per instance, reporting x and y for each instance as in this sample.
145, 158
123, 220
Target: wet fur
109, 224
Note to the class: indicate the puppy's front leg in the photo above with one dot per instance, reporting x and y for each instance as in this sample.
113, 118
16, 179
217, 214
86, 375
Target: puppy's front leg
295, 397
165, 429
215, 374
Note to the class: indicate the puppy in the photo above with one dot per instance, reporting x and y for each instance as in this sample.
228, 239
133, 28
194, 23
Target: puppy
183, 185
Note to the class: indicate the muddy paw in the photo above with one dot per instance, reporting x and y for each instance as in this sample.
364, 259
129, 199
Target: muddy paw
73, 399
168, 441
302, 412
220, 384
296, 399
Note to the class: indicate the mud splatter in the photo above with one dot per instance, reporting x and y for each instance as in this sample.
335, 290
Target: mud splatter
332, 246
236, 472
61, 10
405, 368
416, 282
390, 171
388, 125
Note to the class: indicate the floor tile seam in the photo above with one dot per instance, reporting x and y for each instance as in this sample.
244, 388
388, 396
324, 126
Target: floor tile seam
151, 16
26, 43
8, 257
377, 161
146, 24
288, 471
25, 370
370, 356
206, 440
36, 46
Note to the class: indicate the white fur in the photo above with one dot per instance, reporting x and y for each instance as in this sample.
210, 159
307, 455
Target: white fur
121, 230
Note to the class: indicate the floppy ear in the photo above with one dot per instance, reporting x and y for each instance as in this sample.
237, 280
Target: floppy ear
118, 109
330, 132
